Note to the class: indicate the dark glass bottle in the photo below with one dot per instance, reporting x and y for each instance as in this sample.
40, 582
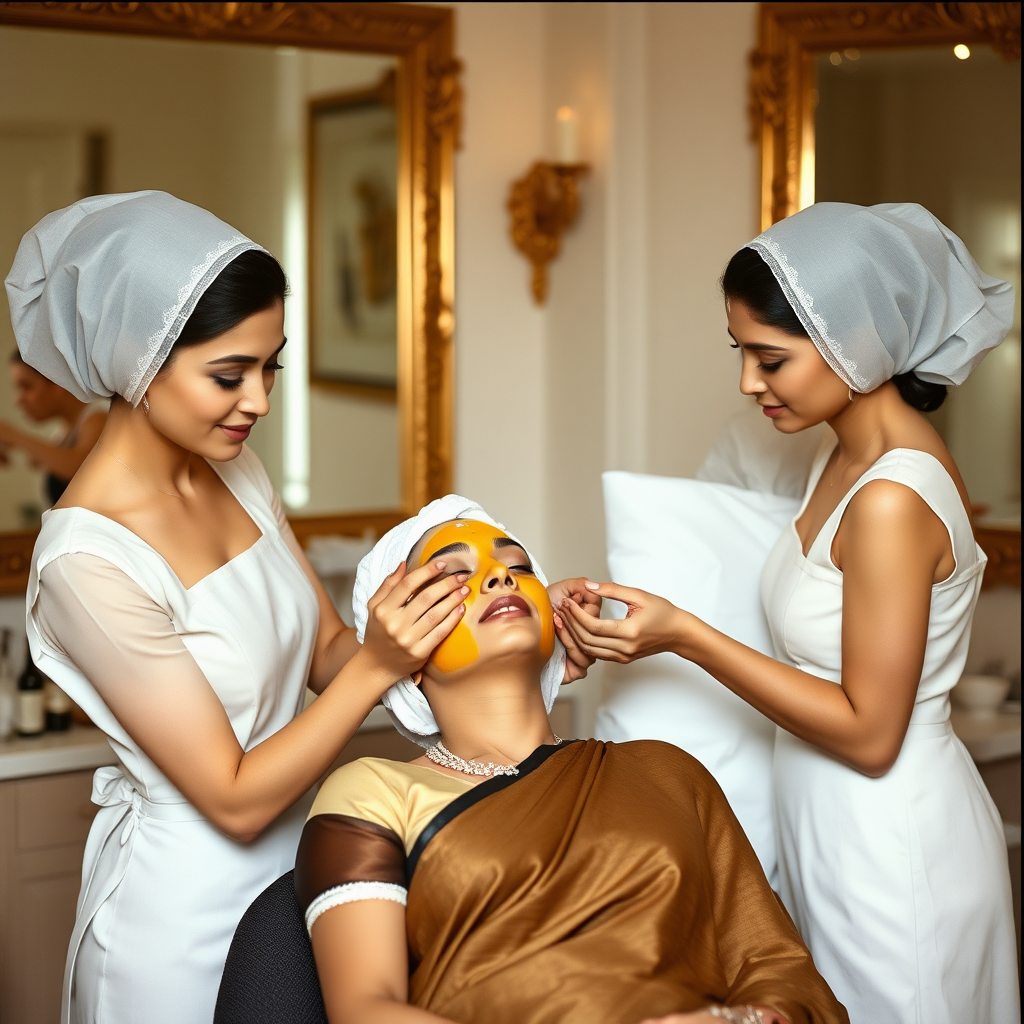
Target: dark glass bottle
31, 718
58, 708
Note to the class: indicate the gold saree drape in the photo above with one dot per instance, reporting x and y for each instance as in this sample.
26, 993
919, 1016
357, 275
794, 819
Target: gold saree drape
611, 883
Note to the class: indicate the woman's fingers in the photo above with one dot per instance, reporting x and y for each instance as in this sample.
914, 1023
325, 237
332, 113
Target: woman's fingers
411, 581
588, 601
577, 661
593, 645
421, 626
426, 646
617, 592
386, 587
574, 614
422, 602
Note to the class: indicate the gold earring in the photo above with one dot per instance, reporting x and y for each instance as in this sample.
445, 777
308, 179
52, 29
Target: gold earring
145, 405
849, 391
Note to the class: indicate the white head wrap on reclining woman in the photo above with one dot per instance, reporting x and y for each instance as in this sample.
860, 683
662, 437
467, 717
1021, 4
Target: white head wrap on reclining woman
884, 290
100, 290
405, 702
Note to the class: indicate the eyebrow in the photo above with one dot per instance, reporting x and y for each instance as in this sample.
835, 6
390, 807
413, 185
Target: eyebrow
459, 547
247, 360
507, 542
757, 346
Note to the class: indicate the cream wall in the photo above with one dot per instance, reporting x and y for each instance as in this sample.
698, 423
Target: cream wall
501, 430
627, 365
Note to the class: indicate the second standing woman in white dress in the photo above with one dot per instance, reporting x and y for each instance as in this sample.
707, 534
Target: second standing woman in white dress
891, 853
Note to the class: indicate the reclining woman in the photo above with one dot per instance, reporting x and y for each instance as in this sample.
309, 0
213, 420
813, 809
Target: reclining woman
514, 877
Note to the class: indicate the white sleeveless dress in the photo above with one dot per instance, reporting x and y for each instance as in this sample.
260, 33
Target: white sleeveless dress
899, 885
162, 889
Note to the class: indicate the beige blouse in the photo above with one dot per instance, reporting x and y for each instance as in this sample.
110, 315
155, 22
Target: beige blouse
400, 797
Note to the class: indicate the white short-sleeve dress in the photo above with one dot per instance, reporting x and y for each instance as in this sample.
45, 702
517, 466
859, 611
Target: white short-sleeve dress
162, 889
899, 885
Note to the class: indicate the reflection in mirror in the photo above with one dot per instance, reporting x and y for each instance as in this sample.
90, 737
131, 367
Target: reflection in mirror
941, 128
221, 125
353, 164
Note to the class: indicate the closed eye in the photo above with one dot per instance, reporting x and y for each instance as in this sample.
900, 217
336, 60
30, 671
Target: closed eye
770, 367
228, 384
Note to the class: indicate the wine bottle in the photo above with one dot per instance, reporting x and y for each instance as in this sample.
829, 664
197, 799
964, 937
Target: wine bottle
58, 708
8, 687
31, 720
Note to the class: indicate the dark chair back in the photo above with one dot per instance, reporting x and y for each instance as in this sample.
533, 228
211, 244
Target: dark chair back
270, 975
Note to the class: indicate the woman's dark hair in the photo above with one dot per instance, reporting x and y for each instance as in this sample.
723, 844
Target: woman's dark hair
249, 284
921, 394
748, 279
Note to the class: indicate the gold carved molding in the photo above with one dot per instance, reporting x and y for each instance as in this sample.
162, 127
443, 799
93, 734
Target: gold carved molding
791, 35
543, 204
429, 97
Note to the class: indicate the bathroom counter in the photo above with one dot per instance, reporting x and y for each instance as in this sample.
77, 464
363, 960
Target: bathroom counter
989, 738
84, 747
80, 748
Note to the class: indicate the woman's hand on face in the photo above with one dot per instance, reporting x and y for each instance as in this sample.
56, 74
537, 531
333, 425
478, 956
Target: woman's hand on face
410, 615
651, 625
576, 660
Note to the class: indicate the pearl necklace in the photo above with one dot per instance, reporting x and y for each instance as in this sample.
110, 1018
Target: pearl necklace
441, 755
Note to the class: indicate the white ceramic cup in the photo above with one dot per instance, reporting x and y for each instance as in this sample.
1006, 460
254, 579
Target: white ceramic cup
980, 695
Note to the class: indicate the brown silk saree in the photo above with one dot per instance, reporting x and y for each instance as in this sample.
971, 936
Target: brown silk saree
610, 883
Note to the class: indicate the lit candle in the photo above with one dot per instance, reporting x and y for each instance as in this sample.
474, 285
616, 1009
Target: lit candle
568, 135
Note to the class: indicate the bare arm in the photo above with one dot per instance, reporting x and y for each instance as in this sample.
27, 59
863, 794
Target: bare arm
126, 646
363, 964
891, 548
62, 462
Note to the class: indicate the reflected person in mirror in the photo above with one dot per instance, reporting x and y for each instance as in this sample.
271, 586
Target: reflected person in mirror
514, 877
891, 853
169, 598
41, 400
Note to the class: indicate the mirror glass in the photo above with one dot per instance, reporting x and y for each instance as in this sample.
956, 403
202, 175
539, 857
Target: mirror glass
941, 128
297, 149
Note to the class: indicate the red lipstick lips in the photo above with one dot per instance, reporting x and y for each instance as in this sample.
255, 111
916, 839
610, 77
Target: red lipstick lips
509, 607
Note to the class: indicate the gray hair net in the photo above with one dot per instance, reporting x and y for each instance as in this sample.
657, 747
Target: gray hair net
100, 290
884, 290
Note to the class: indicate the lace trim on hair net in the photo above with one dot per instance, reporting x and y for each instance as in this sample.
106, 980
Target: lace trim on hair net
404, 701
175, 317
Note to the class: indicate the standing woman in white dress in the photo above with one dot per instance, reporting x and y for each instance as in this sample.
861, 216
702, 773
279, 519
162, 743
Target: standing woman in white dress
170, 599
891, 853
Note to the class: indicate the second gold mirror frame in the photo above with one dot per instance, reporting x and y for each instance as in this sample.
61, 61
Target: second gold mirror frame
791, 36
427, 98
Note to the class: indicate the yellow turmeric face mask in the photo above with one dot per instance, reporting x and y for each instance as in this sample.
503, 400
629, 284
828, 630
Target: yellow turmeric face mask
507, 607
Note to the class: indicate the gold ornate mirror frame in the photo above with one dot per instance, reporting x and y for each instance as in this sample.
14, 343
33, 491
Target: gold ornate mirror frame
782, 84
429, 100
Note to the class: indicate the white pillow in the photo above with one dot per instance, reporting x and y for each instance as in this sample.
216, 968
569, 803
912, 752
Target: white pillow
702, 546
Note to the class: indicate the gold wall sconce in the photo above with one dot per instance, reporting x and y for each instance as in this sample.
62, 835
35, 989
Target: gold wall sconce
545, 202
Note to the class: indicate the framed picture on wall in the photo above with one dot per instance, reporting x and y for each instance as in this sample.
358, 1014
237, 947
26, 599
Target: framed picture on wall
353, 235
